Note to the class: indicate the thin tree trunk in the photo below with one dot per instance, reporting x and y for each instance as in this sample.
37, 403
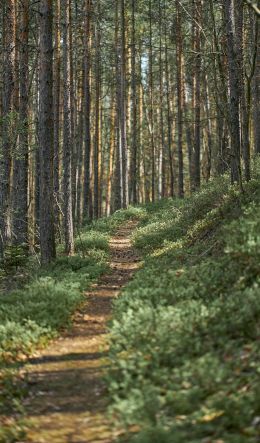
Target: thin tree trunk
79, 141
133, 181
73, 115
189, 133
97, 124
67, 140
47, 237
256, 91
179, 50
56, 99
162, 167
151, 104
87, 109
209, 147
37, 161
111, 158
118, 179
234, 97
245, 92
123, 138
169, 116
20, 221
8, 106
197, 80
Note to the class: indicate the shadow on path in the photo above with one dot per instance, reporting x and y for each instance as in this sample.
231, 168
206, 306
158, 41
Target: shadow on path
67, 396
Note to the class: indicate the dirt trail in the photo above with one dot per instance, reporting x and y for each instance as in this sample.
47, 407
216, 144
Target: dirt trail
67, 400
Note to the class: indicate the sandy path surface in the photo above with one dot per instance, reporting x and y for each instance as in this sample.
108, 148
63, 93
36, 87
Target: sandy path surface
68, 400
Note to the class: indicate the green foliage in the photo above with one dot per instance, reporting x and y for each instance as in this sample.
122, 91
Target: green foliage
45, 304
15, 257
91, 240
30, 316
37, 311
12, 391
15, 431
110, 224
184, 349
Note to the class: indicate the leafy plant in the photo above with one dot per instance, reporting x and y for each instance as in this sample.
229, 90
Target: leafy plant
184, 347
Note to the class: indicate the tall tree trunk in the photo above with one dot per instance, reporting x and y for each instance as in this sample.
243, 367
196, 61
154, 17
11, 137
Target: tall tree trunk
87, 108
73, 114
144, 177
220, 74
209, 148
151, 104
20, 220
169, 116
189, 132
47, 237
123, 138
67, 140
234, 95
179, 56
37, 174
245, 92
162, 166
111, 157
197, 86
56, 99
79, 142
97, 123
256, 91
8, 107
118, 179
134, 147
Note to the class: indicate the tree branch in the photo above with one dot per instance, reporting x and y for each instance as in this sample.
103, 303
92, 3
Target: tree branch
254, 6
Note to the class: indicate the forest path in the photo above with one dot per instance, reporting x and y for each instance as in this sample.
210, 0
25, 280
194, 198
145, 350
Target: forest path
67, 400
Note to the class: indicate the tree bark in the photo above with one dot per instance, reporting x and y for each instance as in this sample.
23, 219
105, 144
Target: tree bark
87, 109
57, 110
8, 107
162, 166
169, 114
67, 140
197, 80
97, 140
234, 95
151, 98
20, 220
123, 137
179, 56
47, 237
111, 157
134, 150
256, 91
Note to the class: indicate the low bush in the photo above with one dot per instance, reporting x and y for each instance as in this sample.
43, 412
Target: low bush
36, 312
109, 225
91, 240
185, 339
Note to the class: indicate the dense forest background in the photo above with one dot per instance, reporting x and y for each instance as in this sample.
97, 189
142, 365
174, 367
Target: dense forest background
108, 103
129, 221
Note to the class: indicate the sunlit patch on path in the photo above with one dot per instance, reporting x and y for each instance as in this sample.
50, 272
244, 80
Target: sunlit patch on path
68, 400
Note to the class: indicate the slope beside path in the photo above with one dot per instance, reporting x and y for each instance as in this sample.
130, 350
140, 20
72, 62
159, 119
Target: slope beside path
67, 400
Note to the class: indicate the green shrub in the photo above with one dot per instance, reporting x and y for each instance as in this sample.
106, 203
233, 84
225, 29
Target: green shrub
30, 316
91, 240
184, 350
110, 224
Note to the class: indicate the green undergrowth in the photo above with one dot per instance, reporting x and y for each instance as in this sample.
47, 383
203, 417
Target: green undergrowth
35, 313
185, 352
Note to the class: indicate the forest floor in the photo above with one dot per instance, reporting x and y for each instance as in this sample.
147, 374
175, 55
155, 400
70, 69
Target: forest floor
67, 396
